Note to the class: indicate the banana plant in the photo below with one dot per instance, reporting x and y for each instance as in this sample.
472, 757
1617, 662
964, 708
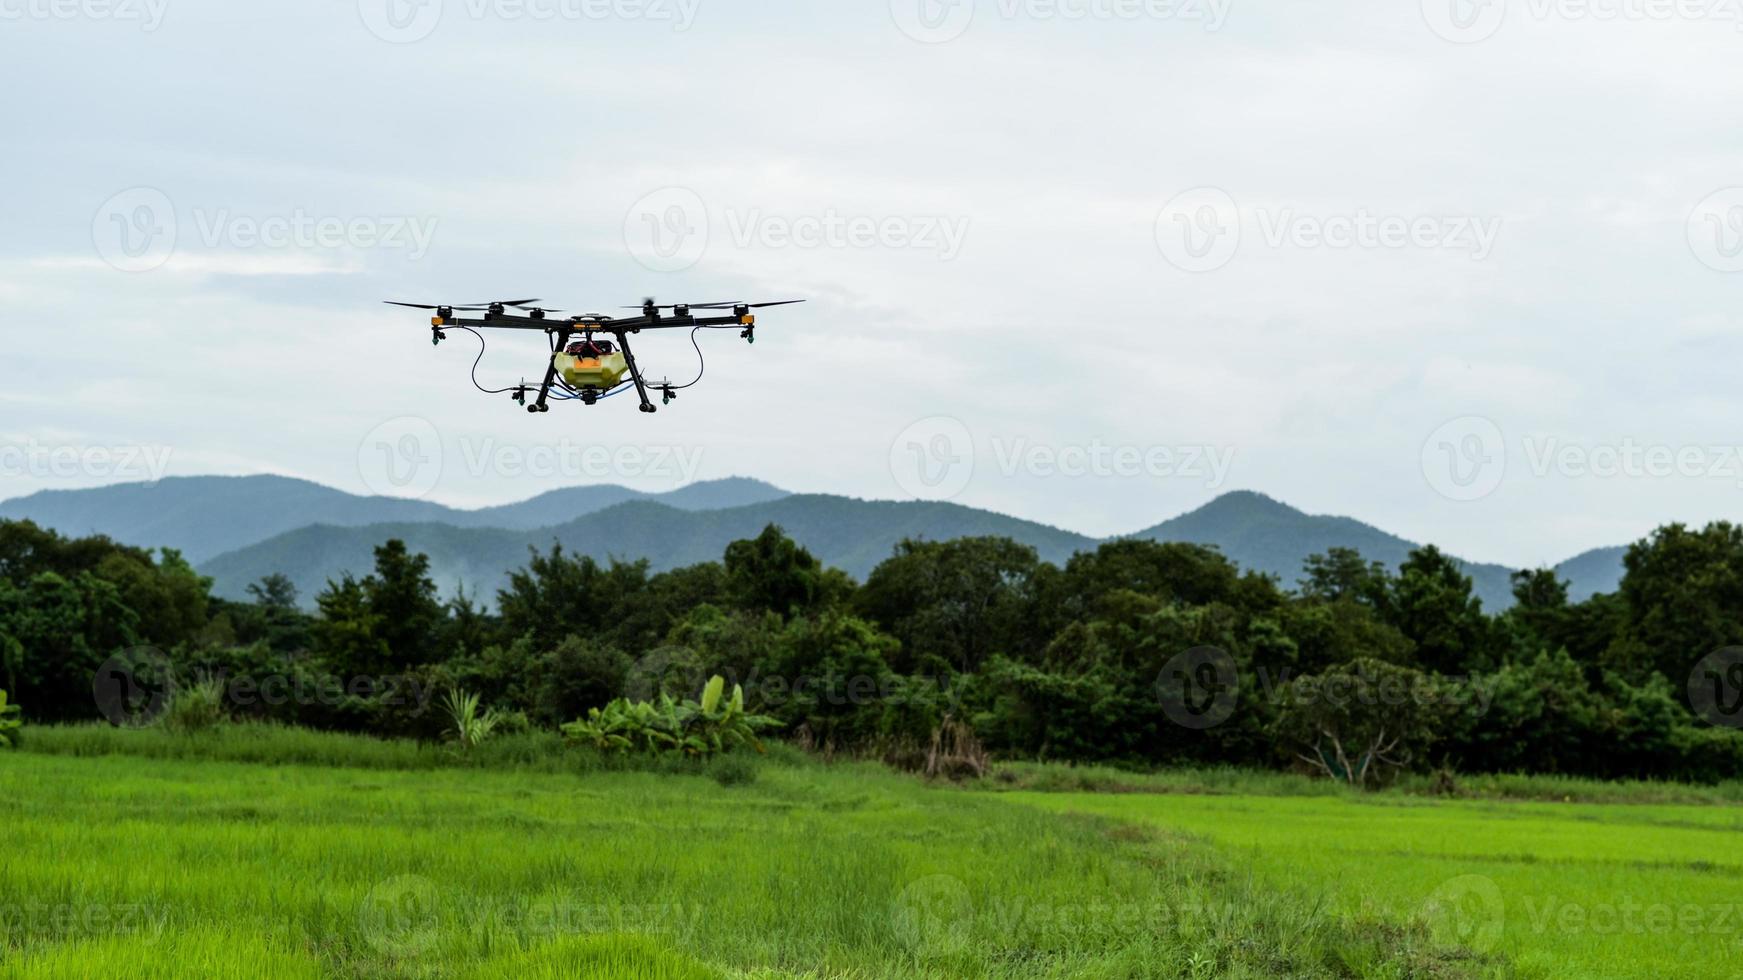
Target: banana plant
10, 721
709, 727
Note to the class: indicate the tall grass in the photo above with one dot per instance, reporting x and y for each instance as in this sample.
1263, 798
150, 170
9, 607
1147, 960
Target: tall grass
270, 744
393, 859
1229, 780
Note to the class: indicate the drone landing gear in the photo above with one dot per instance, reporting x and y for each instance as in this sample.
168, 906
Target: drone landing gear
635, 372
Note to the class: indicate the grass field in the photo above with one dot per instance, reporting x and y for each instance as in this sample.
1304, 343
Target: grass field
167, 858
1561, 889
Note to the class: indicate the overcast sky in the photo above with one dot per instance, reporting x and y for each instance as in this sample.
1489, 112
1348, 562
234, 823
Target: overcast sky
1465, 270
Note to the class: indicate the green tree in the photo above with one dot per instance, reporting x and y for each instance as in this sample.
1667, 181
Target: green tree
1363, 721
958, 601
1432, 604
771, 571
1342, 574
1683, 590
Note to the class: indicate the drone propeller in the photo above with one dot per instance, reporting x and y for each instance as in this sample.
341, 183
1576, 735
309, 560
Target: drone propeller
748, 306
519, 304
711, 306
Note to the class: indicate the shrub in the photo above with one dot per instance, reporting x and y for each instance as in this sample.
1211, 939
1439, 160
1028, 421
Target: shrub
1364, 720
705, 728
9, 722
196, 707
732, 770
470, 726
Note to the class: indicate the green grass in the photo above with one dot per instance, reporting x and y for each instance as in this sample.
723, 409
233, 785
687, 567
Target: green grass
1560, 889
146, 855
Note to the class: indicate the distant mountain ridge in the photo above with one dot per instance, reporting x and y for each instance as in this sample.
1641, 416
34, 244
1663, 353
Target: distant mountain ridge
853, 535
1270, 536
206, 516
238, 529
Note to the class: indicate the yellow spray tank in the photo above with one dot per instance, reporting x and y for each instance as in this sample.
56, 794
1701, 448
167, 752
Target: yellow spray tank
591, 369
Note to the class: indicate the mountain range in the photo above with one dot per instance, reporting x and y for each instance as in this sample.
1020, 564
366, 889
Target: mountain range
239, 529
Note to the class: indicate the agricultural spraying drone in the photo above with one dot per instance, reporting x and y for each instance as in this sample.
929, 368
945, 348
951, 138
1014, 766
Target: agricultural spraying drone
585, 366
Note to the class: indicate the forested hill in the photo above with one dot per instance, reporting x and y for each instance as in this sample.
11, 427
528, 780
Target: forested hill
1262, 534
206, 516
853, 535
238, 529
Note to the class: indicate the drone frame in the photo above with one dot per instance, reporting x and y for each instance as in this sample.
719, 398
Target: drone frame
497, 316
